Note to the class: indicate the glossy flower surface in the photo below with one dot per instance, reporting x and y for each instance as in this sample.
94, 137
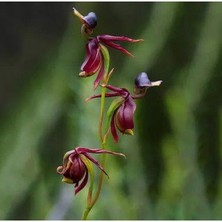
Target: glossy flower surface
76, 166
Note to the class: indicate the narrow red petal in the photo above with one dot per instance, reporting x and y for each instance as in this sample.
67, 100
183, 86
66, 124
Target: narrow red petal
116, 46
95, 162
99, 77
117, 38
99, 95
83, 150
120, 91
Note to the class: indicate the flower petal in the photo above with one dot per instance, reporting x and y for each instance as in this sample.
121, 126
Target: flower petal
93, 57
83, 150
99, 95
83, 184
117, 38
113, 130
99, 76
121, 91
124, 115
95, 162
107, 39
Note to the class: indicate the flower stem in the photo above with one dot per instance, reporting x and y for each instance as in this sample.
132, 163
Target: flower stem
102, 105
103, 138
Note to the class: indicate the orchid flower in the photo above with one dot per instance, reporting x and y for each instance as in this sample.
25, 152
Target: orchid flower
123, 108
77, 166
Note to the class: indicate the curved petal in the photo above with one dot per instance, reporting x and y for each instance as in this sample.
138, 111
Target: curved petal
117, 38
117, 46
99, 96
95, 162
99, 76
83, 150
124, 115
107, 39
83, 184
93, 57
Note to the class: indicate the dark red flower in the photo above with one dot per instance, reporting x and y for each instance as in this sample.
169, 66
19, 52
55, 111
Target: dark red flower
123, 108
75, 169
122, 111
94, 61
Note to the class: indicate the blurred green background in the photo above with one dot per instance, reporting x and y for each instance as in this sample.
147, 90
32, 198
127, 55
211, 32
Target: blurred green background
173, 166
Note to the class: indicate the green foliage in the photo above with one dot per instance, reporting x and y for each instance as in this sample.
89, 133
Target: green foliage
172, 170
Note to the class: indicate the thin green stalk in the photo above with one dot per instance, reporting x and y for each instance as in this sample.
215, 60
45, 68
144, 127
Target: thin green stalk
103, 138
102, 105
105, 80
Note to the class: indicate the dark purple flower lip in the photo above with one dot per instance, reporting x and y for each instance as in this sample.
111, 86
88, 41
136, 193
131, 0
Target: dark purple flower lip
75, 169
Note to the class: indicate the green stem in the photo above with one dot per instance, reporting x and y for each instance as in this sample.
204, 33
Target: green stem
102, 105
103, 138
105, 80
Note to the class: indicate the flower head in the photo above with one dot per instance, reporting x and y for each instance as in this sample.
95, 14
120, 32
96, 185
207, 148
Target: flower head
94, 61
77, 166
142, 83
121, 111
89, 21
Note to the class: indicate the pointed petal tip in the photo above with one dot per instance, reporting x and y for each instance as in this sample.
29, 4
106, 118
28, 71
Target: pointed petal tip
88, 99
82, 74
129, 132
116, 140
78, 14
67, 180
138, 40
157, 83
123, 155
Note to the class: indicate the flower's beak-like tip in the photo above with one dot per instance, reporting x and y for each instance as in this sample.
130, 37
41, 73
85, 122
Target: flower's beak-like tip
82, 74
157, 83
79, 15
76, 192
116, 140
131, 55
95, 86
139, 40
123, 155
88, 99
67, 180
129, 132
